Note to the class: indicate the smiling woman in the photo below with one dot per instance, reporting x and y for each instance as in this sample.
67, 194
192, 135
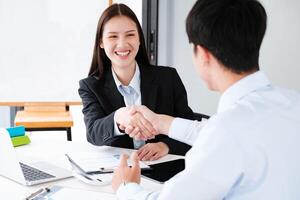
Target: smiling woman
120, 76
120, 42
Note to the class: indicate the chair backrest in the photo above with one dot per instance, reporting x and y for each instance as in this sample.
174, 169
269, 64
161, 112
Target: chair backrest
200, 116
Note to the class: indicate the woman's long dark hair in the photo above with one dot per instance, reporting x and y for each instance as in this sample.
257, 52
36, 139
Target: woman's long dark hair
100, 61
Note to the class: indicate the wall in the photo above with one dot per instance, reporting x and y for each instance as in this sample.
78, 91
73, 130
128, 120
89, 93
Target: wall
279, 52
174, 50
46, 47
4, 116
134, 5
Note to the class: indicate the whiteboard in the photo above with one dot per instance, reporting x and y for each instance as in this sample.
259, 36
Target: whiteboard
46, 47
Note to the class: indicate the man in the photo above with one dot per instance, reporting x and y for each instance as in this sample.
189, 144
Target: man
249, 149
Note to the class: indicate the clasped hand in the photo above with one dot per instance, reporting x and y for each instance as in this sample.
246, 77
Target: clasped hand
138, 122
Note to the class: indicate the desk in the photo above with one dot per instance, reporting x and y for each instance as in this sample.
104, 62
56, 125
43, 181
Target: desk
53, 151
17, 105
22, 103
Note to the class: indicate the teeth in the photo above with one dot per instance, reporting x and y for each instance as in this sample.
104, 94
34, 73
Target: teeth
123, 53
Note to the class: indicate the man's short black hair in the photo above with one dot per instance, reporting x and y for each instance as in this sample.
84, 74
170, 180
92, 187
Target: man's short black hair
232, 30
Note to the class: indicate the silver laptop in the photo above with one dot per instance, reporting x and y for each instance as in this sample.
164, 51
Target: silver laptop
24, 173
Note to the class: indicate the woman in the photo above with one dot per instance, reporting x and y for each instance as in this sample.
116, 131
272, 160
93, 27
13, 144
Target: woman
121, 76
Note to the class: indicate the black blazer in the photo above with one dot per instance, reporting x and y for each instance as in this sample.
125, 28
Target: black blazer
162, 91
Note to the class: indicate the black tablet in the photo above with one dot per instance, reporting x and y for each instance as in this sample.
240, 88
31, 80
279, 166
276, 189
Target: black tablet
164, 171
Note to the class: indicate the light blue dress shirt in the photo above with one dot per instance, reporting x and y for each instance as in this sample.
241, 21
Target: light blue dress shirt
248, 150
132, 96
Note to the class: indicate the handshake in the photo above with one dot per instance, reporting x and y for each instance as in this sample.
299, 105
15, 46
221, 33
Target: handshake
140, 123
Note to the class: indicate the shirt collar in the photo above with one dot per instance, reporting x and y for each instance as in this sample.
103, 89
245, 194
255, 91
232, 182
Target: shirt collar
135, 82
242, 88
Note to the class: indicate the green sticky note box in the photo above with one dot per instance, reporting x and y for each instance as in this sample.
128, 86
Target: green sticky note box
20, 140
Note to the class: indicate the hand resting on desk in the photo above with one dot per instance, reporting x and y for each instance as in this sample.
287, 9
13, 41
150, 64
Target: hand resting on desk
153, 151
143, 124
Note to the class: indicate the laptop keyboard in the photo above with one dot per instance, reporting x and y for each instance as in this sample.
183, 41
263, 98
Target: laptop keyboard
33, 174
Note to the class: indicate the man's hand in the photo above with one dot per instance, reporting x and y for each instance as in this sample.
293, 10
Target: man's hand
161, 123
145, 115
149, 115
139, 126
125, 174
153, 151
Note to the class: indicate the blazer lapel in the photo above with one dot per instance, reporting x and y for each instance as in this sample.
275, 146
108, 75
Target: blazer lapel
114, 97
148, 87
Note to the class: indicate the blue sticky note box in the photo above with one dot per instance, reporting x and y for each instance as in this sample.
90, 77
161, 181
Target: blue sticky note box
16, 131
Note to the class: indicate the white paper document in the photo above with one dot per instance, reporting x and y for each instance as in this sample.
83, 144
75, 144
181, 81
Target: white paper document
104, 160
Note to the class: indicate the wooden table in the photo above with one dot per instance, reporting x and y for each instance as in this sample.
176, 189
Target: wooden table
18, 105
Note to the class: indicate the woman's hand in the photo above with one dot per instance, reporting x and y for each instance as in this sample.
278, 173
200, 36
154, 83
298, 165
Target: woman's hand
153, 151
128, 117
161, 123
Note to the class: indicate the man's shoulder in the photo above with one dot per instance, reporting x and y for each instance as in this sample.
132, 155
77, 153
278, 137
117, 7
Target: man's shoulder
293, 95
263, 106
236, 118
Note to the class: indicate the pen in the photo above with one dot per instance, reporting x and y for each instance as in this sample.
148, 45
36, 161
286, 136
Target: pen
101, 171
38, 193
105, 170
90, 178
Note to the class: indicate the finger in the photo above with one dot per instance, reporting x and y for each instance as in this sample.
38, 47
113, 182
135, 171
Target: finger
133, 135
148, 155
143, 153
140, 108
156, 156
128, 130
141, 149
122, 127
116, 180
151, 138
134, 132
148, 126
135, 160
137, 122
139, 136
123, 160
132, 110
145, 132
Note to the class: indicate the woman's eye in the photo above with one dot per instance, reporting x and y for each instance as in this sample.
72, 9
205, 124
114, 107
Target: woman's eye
130, 35
112, 36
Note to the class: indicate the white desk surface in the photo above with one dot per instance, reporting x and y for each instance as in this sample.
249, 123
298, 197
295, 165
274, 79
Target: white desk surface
53, 151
